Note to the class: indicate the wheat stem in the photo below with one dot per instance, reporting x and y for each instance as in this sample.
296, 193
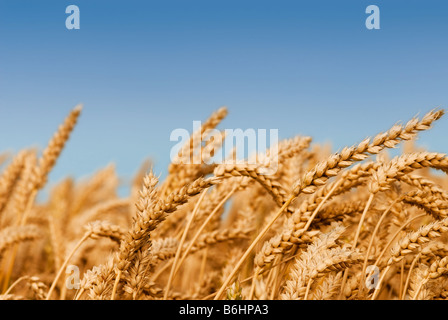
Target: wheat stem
378, 287
182, 240
55, 281
202, 227
114, 289
308, 286
251, 247
408, 278
355, 240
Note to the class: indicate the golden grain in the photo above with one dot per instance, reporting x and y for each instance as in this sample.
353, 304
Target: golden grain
309, 231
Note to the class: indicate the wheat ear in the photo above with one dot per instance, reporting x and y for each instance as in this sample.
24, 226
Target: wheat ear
10, 176
93, 230
323, 171
436, 269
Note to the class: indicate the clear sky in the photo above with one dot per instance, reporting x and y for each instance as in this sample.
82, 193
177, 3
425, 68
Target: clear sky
145, 68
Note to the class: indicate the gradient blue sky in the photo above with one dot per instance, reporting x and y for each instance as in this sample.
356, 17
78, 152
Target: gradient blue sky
144, 68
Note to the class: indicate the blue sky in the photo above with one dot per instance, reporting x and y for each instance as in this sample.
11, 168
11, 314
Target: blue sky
145, 68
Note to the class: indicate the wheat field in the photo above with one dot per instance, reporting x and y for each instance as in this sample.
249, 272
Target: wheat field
353, 225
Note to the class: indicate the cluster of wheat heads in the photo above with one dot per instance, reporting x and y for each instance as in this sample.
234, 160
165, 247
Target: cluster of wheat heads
356, 224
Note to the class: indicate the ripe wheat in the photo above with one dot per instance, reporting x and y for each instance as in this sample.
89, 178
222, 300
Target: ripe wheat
230, 231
